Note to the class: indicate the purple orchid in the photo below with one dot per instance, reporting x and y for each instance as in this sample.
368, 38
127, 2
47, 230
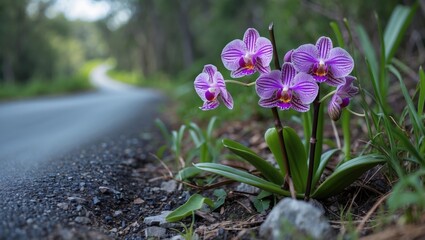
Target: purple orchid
210, 87
286, 89
341, 98
288, 56
246, 57
323, 62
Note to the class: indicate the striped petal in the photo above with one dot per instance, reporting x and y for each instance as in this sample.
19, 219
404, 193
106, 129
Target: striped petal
267, 84
250, 38
288, 73
268, 102
264, 50
232, 53
340, 62
304, 57
305, 87
324, 46
201, 85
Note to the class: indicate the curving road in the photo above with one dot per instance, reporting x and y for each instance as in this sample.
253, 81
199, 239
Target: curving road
39, 130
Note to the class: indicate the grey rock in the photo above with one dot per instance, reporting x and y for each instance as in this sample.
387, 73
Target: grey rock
82, 220
156, 220
243, 187
157, 232
169, 186
294, 219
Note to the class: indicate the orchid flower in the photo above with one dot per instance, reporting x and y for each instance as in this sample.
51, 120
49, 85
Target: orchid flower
210, 87
323, 62
286, 89
341, 98
247, 56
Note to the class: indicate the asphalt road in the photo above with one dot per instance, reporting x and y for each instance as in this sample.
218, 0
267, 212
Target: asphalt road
35, 131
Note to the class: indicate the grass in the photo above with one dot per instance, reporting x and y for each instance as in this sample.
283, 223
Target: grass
42, 87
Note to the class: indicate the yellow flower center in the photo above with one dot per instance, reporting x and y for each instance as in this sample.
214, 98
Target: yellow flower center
321, 69
285, 96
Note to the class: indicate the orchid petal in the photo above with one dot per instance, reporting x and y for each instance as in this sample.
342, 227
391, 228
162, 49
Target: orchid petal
334, 108
227, 99
210, 105
267, 84
324, 45
288, 56
231, 54
241, 71
304, 57
264, 50
298, 105
210, 70
305, 87
268, 102
250, 38
201, 85
340, 62
333, 81
284, 106
260, 67
288, 73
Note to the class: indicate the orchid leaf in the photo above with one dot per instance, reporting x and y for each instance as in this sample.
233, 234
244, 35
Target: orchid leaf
266, 169
187, 173
194, 203
242, 176
421, 99
323, 162
397, 25
295, 150
346, 173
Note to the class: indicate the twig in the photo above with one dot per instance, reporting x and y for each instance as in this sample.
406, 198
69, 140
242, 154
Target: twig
371, 211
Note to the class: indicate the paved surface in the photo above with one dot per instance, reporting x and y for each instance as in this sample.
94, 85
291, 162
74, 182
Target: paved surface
57, 152
37, 130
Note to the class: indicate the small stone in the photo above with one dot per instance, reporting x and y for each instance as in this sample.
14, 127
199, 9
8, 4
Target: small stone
243, 187
169, 186
156, 232
117, 213
114, 230
138, 201
82, 220
156, 220
96, 200
294, 219
79, 208
106, 190
30, 221
63, 206
77, 199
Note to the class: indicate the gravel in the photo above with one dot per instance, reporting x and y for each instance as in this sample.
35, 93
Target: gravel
96, 192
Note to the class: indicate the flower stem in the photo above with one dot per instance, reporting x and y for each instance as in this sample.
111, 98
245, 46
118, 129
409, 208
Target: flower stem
278, 123
313, 140
240, 83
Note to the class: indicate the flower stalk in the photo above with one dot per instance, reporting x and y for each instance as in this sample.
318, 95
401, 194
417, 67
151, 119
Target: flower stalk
313, 141
278, 122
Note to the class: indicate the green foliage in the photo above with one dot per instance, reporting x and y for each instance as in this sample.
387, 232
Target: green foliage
194, 203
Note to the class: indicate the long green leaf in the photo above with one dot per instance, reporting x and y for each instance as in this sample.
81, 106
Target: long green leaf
326, 156
338, 34
368, 49
297, 156
266, 169
416, 120
421, 99
346, 174
187, 173
242, 176
194, 203
397, 25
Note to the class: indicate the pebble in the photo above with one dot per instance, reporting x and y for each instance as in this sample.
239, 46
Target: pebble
169, 186
155, 232
295, 219
63, 205
82, 220
138, 201
117, 213
96, 200
156, 220
77, 199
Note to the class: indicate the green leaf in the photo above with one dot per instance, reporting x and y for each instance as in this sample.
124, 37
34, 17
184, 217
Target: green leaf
194, 203
221, 197
397, 25
421, 99
211, 127
266, 169
188, 172
323, 162
369, 50
242, 176
297, 156
261, 205
338, 34
346, 173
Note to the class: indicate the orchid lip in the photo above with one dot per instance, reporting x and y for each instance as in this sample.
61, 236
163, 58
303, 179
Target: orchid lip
209, 94
285, 95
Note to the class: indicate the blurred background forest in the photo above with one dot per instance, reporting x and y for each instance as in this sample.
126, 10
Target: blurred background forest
166, 43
